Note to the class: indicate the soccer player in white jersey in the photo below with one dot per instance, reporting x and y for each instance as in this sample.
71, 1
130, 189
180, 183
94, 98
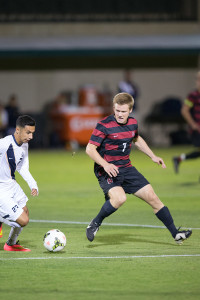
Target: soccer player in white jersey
14, 157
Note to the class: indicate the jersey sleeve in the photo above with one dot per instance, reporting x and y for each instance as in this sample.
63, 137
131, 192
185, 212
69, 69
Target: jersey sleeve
3, 147
98, 135
136, 133
189, 101
23, 170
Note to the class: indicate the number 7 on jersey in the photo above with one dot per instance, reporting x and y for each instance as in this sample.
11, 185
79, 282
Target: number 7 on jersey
124, 144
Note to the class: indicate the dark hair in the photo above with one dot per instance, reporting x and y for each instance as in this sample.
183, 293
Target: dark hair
25, 120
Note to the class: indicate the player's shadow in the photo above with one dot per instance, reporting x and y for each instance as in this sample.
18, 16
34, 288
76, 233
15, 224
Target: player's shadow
195, 183
54, 253
119, 239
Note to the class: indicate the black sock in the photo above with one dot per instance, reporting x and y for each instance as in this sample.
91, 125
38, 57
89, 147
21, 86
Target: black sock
106, 210
192, 155
164, 215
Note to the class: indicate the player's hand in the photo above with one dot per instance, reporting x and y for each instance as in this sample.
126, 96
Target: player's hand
111, 170
159, 161
196, 127
34, 192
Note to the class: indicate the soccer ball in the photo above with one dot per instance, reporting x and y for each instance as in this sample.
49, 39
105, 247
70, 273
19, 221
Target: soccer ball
54, 240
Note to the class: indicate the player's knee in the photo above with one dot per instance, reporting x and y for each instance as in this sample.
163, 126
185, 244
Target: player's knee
153, 198
118, 200
121, 199
155, 201
23, 221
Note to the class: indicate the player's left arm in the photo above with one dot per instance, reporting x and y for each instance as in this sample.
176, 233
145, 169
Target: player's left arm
23, 170
142, 146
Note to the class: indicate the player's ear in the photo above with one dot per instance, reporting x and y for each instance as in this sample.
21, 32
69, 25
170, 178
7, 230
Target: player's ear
17, 130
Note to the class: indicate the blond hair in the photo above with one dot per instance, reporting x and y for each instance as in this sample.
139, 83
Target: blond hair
124, 98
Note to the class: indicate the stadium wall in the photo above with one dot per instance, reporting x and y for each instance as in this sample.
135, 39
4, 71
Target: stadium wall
35, 88
79, 29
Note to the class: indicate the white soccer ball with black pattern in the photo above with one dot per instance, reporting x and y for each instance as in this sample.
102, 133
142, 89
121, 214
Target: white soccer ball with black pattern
54, 240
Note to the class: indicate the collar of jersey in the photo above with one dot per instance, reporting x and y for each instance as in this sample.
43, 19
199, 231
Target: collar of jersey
15, 141
120, 123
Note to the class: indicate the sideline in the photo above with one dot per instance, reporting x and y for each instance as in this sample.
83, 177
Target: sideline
102, 257
104, 224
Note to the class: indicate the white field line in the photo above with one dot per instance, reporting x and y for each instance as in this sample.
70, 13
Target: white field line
101, 257
106, 224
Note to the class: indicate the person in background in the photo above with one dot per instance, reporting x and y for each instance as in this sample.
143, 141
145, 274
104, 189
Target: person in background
3, 120
128, 86
13, 113
191, 113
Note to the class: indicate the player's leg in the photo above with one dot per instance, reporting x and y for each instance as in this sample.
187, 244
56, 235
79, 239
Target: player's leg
25, 208
192, 155
23, 219
178, 159
11, 244
116, 197
148, 195
16, 229
162, 212
15, 214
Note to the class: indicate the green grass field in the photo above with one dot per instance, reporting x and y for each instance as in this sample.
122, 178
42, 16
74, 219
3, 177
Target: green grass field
123, 262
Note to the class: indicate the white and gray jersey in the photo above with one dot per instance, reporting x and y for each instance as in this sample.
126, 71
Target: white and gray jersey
14, 157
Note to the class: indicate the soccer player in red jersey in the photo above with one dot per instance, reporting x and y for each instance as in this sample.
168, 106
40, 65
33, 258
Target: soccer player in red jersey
191, 113
110, 147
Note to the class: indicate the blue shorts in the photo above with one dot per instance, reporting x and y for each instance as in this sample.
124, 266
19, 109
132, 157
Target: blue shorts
128, 178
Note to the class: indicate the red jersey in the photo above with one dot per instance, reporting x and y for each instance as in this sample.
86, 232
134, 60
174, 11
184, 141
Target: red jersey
193, 101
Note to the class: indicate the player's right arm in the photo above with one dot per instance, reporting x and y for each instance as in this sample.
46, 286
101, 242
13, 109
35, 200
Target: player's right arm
185, 111
23, 170
92, 152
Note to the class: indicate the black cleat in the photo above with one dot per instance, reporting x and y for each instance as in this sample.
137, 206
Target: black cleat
182, 235
176, 163
91, 230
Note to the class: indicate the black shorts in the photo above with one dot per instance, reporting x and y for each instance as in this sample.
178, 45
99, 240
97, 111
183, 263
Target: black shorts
195, 136
128, 178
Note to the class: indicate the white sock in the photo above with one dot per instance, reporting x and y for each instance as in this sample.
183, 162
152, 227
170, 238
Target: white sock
13, 235
182, 156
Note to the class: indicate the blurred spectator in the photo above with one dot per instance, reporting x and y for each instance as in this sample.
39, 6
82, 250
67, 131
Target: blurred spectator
3, 120
53, 117
191, 113
128, 86
105, 99
62, 103
13, 113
